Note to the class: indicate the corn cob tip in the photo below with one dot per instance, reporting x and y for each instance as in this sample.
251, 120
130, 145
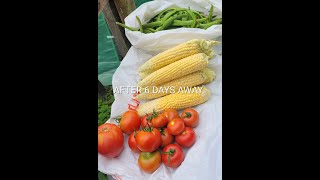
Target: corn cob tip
209, 74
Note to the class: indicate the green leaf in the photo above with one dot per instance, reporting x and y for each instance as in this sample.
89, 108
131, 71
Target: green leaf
102, 176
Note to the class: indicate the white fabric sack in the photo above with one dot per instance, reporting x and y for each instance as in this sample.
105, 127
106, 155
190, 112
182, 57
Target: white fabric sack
160, 41
204, 159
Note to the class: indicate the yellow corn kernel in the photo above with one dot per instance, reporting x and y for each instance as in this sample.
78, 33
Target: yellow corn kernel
178, 100
176, 70
177, 53
203, 76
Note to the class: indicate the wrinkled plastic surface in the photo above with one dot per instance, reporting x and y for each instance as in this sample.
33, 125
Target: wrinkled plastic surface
204, 159
148, 10
108, 60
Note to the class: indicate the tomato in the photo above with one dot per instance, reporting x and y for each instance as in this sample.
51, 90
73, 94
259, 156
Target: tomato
187, 138
159, 120
166, 138
190, 117
172, 155
171, 114
149, 139
149, 161
146, 119
132, 142
130, 121
110, 140
176, 126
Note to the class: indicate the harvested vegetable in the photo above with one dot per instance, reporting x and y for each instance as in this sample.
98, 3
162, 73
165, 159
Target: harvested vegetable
175, 70
171, 18
194, 79
177, 53
178, 100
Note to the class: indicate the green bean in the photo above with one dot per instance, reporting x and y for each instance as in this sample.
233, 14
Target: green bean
146, 31
193, 18
152, 24
168, 22
184, 18
168, 15
162, 12
187, 23
215, 22
141, 28
151, 30
210, 14
124, 26
197, 13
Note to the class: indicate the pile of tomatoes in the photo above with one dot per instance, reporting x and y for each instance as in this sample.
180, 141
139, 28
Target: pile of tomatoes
154, 140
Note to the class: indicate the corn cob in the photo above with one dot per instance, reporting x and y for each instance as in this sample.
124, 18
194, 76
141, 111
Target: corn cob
176, 101
200, 77
175, 70
177, 53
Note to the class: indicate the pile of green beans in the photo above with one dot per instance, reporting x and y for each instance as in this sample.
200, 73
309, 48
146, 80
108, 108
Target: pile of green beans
172, 18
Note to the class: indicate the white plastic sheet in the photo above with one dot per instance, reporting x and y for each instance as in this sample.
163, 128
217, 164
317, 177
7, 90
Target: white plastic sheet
204, 159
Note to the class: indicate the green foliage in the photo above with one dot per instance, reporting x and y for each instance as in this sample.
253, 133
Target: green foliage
104, 106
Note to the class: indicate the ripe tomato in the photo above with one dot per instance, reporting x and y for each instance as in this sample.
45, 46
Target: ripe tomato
171, 114
132, 142
110, 140
148, 139
159, 120
149, 161
172, 155
190, 117
176, 126
146, 119
187, 138
166, 138
130, 121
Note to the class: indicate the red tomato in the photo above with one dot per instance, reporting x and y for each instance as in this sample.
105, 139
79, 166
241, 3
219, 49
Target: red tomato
130, 121
149, 161
171, 114
176, 126
190, 117
172, 155
159, 120
110, 140
149, 139
146, 119
132, 142
187, 138
166, 138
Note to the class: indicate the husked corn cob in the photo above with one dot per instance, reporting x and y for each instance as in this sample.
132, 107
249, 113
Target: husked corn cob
176, 53
175, 70
176, 101
194, 79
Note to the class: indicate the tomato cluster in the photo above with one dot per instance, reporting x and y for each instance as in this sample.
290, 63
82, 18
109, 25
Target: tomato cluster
158, 130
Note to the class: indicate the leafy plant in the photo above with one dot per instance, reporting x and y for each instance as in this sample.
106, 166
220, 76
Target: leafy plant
104, 106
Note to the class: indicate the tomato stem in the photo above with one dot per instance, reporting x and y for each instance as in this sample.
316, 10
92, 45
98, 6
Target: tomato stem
118, 119
161, 130
187, 115
170, 154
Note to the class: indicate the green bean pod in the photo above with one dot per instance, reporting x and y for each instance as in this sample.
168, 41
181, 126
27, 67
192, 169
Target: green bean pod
141, 28
127, 27
169, 21
215, 22
186, 23
210, 14
168, 15
193, 18
152, 24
